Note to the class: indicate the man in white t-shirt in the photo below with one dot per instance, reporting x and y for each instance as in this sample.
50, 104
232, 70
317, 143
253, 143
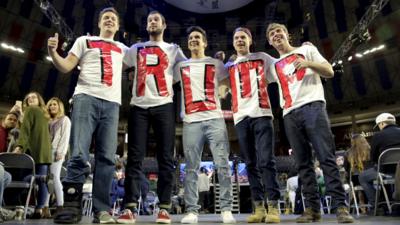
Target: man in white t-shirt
203, 122
253, 122
95, 113
298, 72
151, 105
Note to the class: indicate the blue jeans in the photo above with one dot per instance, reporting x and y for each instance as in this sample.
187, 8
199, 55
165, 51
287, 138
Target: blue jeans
162, 119
98, 119
194, 136
42, 170
366, 179
256, 141
308, 128
5, 179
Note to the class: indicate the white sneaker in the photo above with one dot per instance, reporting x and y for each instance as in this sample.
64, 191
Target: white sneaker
227, 217
190, 218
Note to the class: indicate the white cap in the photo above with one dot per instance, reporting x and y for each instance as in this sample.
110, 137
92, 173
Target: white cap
383, 117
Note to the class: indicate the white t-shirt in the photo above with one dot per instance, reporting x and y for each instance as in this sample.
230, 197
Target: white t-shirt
199, 84
153, 78
248, 76
298, 87
100, 61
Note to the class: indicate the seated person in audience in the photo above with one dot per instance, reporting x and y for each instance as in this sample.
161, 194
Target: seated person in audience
358, 160
9, 122
387, 137
342, 172
5, 179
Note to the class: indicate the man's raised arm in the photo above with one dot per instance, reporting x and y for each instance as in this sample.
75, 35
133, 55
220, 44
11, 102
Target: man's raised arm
64, 65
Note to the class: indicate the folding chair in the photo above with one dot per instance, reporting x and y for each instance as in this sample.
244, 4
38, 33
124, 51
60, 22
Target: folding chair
388, 157
20, 161
354, 201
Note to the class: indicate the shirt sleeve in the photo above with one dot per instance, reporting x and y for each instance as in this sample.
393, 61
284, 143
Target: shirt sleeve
130, 56
177, 72
375, 148
64, 132
25, 130
314, 54
269, 68
79, 47
179, 55
222, 73
3, 139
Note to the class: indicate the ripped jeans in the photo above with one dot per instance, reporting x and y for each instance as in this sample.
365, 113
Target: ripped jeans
195, 135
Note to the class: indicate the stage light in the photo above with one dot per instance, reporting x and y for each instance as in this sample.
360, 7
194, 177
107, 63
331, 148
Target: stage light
12, 48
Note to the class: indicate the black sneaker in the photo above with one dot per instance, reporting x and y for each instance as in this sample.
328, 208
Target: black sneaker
309, 216
72, 211
343, 215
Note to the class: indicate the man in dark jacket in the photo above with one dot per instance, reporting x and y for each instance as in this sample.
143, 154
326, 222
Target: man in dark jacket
387, 137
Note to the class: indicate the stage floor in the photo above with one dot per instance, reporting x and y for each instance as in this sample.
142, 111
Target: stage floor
212, 219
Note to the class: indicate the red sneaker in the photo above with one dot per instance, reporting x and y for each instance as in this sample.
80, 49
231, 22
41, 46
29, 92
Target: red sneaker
126, 217
163, 217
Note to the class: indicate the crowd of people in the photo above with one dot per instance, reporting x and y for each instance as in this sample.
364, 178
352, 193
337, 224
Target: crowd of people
46, 133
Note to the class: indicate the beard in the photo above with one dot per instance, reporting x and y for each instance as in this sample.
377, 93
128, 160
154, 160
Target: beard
154, 32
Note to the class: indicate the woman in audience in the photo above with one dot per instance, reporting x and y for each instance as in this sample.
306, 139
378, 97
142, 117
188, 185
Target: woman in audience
34, 139
358, 160
60, 130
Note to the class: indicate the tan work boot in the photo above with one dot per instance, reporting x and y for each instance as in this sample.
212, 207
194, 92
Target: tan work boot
273, 213
309, 216
343, 215
259, 214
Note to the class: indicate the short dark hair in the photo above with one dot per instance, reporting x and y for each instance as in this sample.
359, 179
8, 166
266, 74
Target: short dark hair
198, 29
108, 9
245, 30
157, 12
15, 113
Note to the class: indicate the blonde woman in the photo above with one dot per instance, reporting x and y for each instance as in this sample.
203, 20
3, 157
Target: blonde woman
60, 130
34, 139
358, 157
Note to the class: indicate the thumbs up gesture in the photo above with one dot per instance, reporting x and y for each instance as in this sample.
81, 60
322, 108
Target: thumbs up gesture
52, 43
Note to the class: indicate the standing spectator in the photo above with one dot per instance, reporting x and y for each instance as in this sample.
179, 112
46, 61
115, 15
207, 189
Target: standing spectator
298, 73
95, 114
9, 122
60, 130
388, 137
151, 106
34, 139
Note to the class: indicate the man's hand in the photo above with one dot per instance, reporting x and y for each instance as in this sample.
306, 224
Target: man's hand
300, 63
52, 43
